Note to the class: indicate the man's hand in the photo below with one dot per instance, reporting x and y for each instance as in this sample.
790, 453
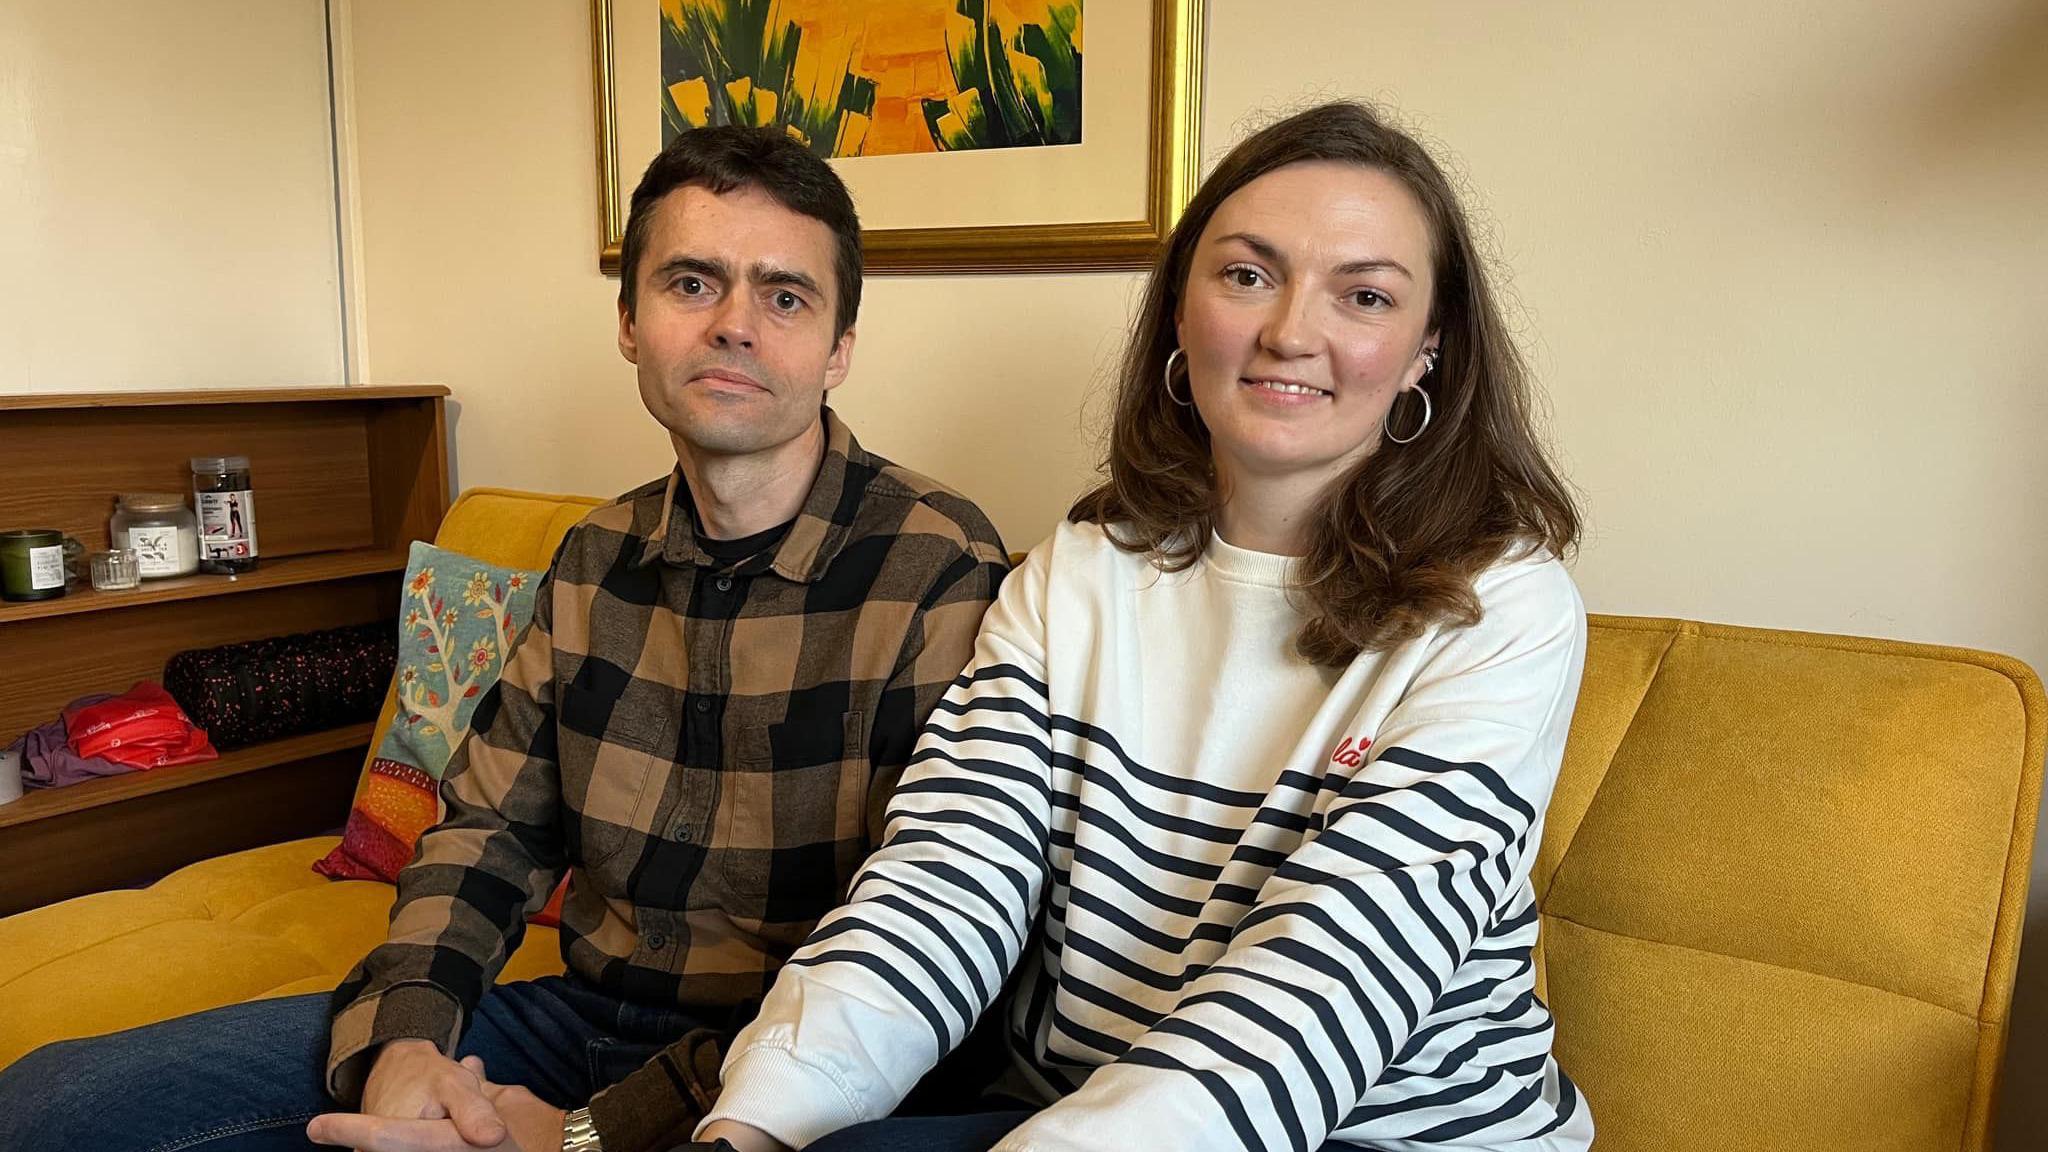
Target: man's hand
411, 1080
519, 1121
744, 1137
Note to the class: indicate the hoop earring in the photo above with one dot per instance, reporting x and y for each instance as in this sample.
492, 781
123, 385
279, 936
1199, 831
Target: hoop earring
1181, 355
1412, 437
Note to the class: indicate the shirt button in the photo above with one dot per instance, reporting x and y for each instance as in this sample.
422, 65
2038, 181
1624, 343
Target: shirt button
680, 835
703, 705
657, 941
725, 583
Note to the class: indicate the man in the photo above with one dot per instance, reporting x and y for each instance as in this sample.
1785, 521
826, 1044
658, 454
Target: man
725, 674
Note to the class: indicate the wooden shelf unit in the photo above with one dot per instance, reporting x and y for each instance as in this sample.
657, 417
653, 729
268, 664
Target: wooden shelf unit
345, 480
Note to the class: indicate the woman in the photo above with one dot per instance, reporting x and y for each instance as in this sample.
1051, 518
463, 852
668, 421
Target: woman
1249, 770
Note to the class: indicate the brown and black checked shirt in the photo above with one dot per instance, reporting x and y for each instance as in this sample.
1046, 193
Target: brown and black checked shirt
710, 747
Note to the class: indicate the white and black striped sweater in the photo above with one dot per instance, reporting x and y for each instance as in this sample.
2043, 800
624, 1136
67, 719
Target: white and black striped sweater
1258, 904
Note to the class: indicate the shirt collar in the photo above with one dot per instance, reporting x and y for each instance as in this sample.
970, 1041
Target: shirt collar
814, 539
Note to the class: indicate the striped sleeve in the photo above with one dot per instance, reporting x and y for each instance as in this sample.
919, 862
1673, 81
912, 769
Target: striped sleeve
938, 916
1355, 936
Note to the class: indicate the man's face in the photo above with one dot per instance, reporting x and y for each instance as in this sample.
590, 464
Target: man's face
732, 330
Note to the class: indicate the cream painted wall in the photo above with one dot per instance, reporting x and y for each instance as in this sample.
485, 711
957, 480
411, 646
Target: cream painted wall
1781, 266
167, 208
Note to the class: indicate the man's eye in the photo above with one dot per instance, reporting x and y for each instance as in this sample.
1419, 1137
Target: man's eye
690, 286
788, 301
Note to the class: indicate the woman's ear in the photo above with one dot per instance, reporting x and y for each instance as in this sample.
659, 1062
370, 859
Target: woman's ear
1427, 358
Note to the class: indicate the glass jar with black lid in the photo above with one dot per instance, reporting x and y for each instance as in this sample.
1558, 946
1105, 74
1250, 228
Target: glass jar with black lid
225, 499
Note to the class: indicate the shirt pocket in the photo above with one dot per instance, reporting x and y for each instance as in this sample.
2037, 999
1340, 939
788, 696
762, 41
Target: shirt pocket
792, 817
611, 781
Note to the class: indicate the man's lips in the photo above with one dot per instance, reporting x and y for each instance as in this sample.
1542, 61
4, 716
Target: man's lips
729, 378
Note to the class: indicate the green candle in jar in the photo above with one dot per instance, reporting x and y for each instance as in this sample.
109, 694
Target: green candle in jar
31, 564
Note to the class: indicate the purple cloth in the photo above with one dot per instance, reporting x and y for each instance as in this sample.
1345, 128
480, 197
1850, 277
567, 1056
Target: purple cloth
47, 760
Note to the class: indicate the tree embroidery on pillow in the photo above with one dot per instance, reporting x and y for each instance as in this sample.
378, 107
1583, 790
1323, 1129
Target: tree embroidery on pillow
453, 638
435, 695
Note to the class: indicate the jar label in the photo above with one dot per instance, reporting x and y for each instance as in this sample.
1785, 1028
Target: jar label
156, 550
46, 568
227, 525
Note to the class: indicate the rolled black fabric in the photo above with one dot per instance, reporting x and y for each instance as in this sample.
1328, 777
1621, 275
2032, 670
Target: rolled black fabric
286, 686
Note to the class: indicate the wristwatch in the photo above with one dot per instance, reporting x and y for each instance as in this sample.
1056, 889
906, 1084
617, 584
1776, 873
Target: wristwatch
578, 1134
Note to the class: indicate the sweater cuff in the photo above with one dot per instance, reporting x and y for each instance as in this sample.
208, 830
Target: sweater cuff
795, 1102
401, 1012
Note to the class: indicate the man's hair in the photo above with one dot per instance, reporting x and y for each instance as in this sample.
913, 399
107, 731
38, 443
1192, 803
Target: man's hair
725, 158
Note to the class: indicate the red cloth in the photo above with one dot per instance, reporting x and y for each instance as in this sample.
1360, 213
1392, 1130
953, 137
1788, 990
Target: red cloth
551, 916
143, 728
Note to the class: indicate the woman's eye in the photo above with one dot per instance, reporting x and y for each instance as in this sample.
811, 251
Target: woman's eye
1367, 298
1242, 277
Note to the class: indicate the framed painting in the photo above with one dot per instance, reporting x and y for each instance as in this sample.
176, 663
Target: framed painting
971, 135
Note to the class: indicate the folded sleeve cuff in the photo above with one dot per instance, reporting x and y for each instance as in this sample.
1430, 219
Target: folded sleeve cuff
661, 1103
403, 1012
795, 1102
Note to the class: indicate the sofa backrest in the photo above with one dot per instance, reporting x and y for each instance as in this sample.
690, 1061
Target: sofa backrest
1783, 879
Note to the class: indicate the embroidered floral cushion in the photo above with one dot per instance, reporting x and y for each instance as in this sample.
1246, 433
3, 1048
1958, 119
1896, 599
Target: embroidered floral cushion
458, 620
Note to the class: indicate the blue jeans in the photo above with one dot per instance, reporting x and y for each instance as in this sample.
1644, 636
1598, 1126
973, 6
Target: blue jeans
247, 1077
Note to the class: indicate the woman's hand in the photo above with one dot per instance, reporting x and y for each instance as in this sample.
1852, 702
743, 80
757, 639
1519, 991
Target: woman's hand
744, 1137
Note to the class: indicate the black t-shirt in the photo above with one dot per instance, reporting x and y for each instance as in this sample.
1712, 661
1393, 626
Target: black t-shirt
726, 553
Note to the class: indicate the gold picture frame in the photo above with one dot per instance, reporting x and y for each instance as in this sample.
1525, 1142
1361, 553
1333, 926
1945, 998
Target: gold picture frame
1173, 166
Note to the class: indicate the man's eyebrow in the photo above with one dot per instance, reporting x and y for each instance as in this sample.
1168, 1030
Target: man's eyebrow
701, 265
788, 277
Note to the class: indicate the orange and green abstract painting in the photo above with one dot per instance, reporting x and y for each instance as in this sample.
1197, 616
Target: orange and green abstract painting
876, 77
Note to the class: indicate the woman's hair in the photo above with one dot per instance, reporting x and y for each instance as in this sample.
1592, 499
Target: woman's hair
1397, 542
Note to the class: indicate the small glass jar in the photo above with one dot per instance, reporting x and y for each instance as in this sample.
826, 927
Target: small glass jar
225, 499
115, 571
160, 530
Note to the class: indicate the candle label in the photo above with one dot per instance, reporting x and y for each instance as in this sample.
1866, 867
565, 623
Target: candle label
227, 525
46, 568
156, 550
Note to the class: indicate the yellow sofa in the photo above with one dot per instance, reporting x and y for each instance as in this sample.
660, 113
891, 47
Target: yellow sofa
1782, 882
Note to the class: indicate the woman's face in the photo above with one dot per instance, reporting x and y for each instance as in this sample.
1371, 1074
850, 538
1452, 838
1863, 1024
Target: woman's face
1304, 314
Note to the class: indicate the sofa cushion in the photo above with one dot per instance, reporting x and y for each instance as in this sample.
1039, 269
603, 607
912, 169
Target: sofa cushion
237, 927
